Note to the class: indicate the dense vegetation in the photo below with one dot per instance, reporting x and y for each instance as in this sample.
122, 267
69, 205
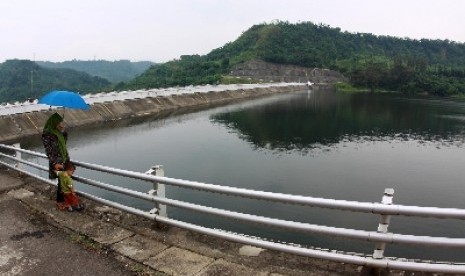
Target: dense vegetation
369, 61
24, 79
188, 70
375, 62
114, 71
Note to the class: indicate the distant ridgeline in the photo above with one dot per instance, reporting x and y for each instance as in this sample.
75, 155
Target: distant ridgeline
278, 51
367, 60
24, 79
114, 71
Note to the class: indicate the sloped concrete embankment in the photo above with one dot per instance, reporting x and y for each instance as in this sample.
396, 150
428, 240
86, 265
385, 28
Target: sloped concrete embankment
28, 124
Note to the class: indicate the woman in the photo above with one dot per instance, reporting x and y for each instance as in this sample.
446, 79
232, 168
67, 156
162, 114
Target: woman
54, 138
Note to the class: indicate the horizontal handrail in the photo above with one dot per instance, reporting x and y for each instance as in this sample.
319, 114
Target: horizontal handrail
336, 256
289, 225
355, 206
34, 165
371, 236
46, 180
296, 226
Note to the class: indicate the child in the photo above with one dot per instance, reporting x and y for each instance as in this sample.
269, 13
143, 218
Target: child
72, 202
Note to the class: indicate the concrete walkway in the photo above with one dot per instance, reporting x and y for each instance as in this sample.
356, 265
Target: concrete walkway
38, 239
31, 246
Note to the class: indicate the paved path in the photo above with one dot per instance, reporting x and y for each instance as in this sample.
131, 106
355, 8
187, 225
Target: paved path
31, 246
38, 239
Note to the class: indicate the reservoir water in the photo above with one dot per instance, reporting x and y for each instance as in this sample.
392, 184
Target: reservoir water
313, 143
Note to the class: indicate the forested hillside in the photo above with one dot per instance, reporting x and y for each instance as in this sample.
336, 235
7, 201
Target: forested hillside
114, 71
369, 61
24, 79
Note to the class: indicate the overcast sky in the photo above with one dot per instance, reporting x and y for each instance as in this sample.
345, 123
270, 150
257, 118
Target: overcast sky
159, 31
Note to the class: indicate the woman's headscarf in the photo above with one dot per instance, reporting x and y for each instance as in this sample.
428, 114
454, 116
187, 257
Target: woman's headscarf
51, 127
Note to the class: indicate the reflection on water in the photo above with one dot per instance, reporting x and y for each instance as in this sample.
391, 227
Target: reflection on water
328, 118
321, 144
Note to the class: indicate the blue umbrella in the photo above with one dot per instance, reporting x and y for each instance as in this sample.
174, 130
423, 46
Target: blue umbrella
64, 99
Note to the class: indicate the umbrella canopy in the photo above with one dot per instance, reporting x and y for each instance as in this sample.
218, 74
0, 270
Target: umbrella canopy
65, 99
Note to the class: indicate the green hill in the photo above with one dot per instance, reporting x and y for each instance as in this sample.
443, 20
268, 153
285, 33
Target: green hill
367, 60
24, 79
311, 45
370, 61
114, 71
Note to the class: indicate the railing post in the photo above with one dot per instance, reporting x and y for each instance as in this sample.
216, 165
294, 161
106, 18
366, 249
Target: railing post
158, 190
383, 224
18, 165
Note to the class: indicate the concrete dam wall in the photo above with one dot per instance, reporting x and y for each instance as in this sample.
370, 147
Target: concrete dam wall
16, 126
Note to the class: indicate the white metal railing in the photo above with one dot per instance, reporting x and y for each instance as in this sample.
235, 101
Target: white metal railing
381, 237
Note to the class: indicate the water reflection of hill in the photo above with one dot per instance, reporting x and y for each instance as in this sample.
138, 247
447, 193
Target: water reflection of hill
316, 120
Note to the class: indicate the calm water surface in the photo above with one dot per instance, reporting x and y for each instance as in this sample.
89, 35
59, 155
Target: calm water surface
314, 143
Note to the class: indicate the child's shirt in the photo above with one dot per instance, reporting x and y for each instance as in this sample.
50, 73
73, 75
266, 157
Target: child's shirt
66, 182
